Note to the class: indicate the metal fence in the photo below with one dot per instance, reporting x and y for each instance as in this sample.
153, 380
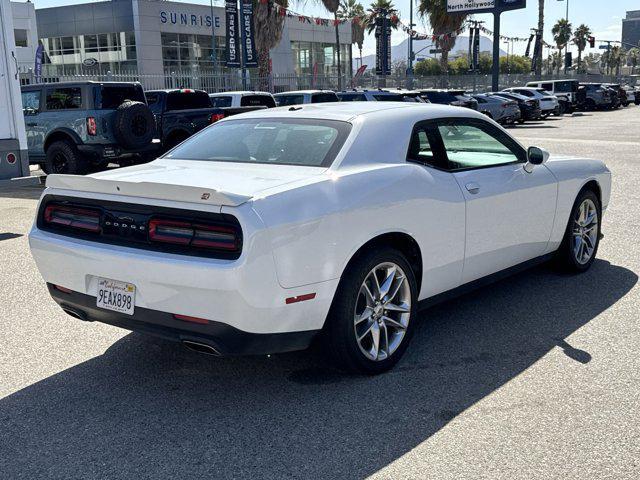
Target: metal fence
212, 82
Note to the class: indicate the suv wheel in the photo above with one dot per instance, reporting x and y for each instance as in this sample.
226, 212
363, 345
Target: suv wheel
63, 157
372, 318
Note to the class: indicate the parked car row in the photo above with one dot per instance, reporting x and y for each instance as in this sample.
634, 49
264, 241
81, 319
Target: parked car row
83, 126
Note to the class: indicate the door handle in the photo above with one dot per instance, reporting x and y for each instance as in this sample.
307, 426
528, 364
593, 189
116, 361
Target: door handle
472, 187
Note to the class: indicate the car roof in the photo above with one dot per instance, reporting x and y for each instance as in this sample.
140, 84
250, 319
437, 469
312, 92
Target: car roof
80, 83
170, 90
301, 92
240, 92
348, 111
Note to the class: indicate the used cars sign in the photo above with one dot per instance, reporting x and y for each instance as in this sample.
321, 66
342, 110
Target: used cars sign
481, 6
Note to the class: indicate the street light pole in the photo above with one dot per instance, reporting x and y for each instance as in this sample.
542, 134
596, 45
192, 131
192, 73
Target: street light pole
410, 49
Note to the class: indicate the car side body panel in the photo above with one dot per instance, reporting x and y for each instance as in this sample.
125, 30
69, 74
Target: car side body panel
572, 174
316, 229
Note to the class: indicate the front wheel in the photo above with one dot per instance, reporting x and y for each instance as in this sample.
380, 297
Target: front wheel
372, 317
582, 237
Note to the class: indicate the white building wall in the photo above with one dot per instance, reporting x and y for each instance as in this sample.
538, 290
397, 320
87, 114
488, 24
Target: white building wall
24, 18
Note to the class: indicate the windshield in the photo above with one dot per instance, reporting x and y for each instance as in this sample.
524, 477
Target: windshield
306, 142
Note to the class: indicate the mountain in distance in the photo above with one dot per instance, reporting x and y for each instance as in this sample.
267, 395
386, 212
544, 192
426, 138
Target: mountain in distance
399, 52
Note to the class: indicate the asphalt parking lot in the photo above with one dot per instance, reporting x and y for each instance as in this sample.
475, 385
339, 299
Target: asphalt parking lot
537, 376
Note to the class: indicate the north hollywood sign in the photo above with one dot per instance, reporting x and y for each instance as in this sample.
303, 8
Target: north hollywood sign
482, 6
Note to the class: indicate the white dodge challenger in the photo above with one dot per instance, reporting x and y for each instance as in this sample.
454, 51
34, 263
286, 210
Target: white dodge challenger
335, 221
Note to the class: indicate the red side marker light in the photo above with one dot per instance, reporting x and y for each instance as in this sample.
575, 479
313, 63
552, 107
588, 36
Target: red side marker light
187, 318
300, 298
11, 158
62, 289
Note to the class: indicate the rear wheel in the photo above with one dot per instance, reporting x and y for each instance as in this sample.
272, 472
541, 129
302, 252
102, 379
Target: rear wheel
582, 237
372, 317
63, 157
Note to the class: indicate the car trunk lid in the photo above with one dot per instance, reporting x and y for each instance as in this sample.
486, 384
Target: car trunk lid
211, 183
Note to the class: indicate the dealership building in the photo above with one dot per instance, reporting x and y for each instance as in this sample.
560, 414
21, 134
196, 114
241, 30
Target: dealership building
149, 37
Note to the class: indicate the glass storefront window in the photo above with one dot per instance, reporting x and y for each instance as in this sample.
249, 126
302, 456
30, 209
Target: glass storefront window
322, 57
115, 52
191, 52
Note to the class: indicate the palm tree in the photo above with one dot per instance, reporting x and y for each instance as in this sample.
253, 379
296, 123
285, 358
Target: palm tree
539, 39
633, 56
268, 26
374, 11
332, 6
561, 35
442, 22
354, 12
580, 38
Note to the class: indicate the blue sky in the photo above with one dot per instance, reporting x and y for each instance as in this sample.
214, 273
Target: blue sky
604, 17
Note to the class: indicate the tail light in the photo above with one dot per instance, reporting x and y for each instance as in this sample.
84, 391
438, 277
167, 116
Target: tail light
215, 117
92, 127
194, 234
71, 217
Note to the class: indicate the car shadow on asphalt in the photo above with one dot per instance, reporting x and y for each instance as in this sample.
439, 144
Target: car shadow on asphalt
149, 408
31, 192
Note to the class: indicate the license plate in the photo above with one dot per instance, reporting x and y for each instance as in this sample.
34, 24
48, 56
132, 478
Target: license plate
117, 296
109, 152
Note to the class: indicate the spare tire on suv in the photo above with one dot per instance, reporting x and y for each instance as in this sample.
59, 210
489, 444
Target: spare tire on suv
134, 125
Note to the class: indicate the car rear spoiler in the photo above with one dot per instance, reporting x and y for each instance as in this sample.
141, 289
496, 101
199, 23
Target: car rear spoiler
159, 191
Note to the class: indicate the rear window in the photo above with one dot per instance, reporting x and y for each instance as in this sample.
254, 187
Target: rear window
440, 97
387, 98
352, 97
257, 101
306, 142
286, 100
221, 102
111, 97
324, 97
64, 98
188, 100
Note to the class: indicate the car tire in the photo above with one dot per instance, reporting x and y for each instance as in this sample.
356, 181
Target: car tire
574, 255
591, 105
133, 125
63, 157
349, 336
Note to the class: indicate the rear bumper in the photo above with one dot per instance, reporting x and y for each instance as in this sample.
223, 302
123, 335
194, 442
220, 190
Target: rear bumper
243, 294
115, 151
223, 338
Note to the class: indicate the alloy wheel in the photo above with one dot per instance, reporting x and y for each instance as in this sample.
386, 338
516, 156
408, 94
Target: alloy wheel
585, 231
382, 312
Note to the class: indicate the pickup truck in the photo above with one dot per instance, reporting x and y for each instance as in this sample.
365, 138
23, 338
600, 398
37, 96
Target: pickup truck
77, 127
180, 113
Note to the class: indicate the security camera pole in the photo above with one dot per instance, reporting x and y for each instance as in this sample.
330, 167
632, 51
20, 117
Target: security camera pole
499, 6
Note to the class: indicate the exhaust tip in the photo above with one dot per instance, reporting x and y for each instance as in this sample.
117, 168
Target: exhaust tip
201, 347
79, 314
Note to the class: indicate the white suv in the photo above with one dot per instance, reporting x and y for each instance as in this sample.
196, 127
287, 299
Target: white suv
548, 103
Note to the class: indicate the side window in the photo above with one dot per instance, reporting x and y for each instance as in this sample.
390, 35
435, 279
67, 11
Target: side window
476, 145
526, 93
423, 147
64, 98
548, 87
31, 102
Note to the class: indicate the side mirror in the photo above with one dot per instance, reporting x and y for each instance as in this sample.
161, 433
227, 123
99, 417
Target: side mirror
535, 156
